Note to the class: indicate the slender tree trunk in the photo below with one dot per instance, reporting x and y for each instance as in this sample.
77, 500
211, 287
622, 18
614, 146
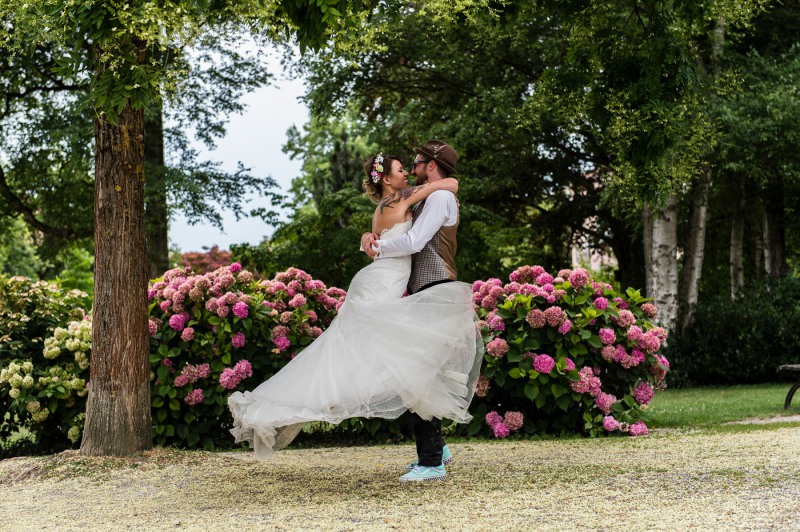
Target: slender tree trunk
737, 241
662, 273
156, 211
695, 249
118, 409
755, 222
775, 230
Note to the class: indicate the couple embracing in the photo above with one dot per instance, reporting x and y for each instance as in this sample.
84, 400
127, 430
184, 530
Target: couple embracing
386, 355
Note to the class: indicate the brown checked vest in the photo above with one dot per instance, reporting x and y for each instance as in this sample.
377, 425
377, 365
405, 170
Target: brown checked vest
435, 262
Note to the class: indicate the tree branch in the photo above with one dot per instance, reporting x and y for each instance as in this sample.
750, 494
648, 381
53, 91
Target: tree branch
27, 213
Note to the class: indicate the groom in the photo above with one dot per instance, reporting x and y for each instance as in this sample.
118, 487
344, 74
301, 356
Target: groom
432, 243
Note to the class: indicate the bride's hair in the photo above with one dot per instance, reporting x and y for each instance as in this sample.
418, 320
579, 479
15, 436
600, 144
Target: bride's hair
374, 189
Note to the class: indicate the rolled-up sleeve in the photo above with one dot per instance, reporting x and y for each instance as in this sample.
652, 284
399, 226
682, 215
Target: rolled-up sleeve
441, 210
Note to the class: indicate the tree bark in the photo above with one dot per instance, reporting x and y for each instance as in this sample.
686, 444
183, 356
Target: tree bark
695, 249
156, 211
662, 273
737, 241
118, 409
755, 229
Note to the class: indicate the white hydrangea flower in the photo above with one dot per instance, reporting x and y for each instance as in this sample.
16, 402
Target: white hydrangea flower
51, 352
77, 384
27, 366
27, 382
14, 393
16, 381
60, 334
14, 368
41, 415
74, 434
85, 346
73, 344
33, 406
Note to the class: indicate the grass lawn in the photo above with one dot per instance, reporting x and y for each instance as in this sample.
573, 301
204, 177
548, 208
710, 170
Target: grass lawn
704, 407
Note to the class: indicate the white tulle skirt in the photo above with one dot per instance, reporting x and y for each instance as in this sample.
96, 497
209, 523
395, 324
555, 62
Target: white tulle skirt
382, 355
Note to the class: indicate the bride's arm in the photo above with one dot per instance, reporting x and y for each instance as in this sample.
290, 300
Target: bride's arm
410, 196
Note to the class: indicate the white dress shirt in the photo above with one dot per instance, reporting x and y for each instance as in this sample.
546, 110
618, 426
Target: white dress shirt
441, 210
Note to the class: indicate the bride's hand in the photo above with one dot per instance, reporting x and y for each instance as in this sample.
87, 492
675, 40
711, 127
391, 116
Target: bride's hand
367, 240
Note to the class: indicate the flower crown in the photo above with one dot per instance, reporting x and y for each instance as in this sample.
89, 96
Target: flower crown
377, 168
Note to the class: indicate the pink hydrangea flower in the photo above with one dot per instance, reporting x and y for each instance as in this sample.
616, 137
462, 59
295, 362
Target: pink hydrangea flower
243, 369
497, 324
315, 332
514, 420
625, 319
601, 303
536, 319
228, 379
544, 364
649, 310
164, 305
570, 365
223, 311
235, 267
297, 301
650, 342
639, 429
178, 321
620, 303
607, 336
493, 418
238, 340
643, 393
482, 386
634, 333
588, 383
281, 342
500, 430
211, 304
181, 381
152, 327
565, 327
554, 316
604, 402
497, 347
610, 424
608, 353
194, 397
578, 278
544, 278
240, 310
188, 334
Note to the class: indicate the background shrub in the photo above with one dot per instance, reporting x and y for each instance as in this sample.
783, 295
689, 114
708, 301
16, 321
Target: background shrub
739, 341
41, 378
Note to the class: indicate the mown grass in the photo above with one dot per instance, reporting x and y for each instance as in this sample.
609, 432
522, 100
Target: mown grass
704, 407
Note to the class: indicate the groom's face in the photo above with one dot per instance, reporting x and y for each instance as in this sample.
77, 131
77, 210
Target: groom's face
419, 168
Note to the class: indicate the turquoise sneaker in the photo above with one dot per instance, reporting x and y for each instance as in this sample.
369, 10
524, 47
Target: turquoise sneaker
447, 459
423, 474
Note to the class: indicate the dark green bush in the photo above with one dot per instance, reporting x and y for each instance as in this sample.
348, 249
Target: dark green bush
739, 341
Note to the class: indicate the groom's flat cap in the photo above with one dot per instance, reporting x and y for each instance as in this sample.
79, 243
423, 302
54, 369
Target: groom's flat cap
441, 152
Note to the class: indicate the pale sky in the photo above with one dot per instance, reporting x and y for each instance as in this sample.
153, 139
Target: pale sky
255, 138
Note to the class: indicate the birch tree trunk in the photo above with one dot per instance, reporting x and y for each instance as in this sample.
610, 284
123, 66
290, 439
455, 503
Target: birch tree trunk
662, 270
755, 229
118, 408
695, 249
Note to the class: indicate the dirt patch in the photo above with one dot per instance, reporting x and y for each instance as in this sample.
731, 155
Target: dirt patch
666, 481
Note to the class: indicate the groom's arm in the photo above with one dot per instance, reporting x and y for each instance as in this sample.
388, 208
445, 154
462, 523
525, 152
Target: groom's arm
441, 210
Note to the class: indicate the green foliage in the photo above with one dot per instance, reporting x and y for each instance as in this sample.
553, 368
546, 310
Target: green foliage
18, 254
74, 266
739, 341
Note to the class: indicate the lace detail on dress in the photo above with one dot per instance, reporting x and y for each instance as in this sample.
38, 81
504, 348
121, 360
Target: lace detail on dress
397, 229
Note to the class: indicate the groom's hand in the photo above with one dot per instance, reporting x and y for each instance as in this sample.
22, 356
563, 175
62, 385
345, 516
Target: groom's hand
367, 240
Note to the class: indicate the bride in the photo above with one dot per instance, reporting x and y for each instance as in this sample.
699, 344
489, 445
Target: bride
384, 353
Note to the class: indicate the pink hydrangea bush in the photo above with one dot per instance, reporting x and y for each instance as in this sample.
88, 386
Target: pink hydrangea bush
566, 352
222, 331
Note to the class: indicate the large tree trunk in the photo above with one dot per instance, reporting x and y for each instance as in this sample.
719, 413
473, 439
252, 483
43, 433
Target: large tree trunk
662, 271
775, 230
156, 212
118, 409
695, 249
737, 241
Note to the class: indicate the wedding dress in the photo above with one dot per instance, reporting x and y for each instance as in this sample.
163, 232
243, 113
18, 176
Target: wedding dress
382, 355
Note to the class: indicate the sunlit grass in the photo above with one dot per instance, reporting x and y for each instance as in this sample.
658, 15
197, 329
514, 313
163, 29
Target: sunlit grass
701, 407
